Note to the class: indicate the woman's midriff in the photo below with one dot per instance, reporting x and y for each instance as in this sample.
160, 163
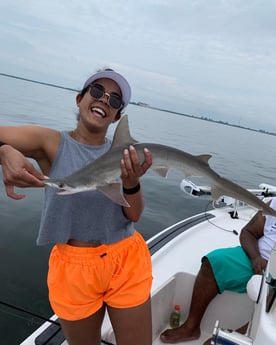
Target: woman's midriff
77, 243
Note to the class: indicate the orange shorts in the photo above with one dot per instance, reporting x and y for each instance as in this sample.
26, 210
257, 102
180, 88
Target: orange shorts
81, 279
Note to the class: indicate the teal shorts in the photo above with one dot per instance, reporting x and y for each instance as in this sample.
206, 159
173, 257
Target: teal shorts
232, 268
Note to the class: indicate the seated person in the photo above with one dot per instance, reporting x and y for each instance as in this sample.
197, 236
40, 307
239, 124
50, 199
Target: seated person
220, 266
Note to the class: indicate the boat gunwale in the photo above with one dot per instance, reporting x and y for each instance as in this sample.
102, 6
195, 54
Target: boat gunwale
163, 238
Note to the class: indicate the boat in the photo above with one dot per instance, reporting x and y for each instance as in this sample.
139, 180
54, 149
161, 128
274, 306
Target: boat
176, 255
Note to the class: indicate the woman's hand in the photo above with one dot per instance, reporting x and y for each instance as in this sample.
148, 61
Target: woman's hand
132, 168
18, 171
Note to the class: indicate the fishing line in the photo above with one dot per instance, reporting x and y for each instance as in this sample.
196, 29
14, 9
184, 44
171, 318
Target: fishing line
12, 306
235, 232
30, 321
29, 312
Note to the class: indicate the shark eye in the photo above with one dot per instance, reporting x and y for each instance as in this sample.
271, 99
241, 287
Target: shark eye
61, 185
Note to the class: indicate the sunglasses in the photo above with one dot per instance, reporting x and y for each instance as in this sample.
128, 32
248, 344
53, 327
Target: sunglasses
114, 100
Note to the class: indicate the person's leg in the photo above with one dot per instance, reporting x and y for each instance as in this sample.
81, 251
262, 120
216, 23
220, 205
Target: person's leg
132, 325
205, 289
84, 331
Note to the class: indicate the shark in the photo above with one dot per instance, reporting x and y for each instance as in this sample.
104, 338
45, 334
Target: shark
103, 174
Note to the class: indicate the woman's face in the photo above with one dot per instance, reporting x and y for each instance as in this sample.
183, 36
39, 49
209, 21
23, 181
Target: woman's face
98, 111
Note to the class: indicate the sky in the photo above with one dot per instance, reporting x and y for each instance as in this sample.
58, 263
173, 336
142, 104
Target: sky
210, 58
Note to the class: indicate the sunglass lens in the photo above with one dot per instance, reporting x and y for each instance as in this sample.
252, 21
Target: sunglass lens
115, 101
96, 91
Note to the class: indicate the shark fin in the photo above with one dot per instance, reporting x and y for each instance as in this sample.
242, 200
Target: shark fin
122, 135
204, 158
113, 192
162, 171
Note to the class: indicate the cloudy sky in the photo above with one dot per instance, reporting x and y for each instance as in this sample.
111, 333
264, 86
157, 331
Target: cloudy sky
214, 58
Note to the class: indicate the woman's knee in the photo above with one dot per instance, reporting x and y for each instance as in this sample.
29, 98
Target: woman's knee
84, 331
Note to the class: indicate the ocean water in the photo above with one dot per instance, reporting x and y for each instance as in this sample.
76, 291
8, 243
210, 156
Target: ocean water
243, 156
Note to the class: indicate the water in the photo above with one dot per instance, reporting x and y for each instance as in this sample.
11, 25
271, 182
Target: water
245, 157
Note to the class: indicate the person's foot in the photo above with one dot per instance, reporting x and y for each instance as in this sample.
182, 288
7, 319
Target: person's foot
182, 333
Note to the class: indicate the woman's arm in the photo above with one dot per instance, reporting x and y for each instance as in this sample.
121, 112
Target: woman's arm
26, 141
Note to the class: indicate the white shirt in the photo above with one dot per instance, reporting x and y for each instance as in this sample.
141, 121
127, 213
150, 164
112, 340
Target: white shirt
268, 240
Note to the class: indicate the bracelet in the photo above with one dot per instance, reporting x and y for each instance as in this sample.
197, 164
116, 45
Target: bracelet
130, 191
2, 143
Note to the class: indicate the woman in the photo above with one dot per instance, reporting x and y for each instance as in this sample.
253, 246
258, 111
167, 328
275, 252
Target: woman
98, 261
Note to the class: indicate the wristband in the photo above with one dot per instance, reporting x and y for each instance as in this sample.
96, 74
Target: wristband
2, 143
130, 191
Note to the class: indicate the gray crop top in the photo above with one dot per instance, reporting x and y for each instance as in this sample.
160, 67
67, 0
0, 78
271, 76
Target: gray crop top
87, 216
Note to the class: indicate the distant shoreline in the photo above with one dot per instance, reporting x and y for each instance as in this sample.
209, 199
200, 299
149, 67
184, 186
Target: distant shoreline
141, 104
203, 118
